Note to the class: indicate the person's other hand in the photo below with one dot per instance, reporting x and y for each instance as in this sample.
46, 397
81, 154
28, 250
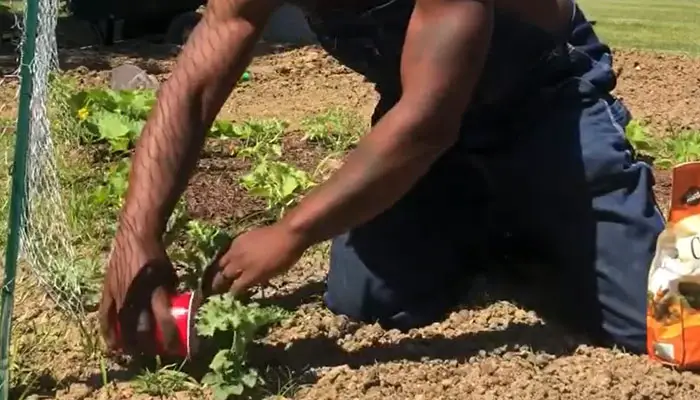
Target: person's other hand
257, 256
136, 296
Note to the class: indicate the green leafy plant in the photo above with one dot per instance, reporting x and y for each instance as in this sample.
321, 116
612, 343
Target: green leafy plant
109, 195
258, 139
201, 242
114, 117
680, 147
638, 136
222, 314
279, 183
335, 129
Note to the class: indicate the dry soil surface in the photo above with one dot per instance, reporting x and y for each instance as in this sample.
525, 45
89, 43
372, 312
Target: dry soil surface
489, 349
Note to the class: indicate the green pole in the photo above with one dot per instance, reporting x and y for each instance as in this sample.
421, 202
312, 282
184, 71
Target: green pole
19, 190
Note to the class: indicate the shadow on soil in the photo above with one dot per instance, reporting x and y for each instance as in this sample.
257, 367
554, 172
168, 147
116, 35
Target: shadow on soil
304, 356
325, 352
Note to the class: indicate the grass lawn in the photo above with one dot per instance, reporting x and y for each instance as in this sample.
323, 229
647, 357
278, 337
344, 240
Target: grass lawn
11, 5
661, 25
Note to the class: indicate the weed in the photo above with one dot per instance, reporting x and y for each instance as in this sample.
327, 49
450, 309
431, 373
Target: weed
110, 193
286, 383
164, 381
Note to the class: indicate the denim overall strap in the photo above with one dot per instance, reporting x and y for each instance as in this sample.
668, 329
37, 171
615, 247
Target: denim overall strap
371, 41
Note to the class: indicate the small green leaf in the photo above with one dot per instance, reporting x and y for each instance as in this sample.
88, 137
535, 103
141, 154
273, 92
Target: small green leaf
222, 361
289, 185
111, 126
78, 100
223, 392
210, 379
250, 379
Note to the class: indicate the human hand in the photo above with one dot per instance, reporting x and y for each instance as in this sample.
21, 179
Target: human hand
135, 296
257, 256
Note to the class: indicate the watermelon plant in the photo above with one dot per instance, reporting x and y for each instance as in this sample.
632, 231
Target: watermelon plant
224, 316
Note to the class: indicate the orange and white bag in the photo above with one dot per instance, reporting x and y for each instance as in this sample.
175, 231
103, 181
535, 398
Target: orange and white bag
673, 312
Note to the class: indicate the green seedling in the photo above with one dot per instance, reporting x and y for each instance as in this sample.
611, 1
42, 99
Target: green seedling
679, 148
638, 136
258, 139
335, 129
230, 375
278, 183
200, 244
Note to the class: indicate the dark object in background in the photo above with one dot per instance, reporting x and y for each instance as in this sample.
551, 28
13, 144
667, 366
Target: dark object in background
181, 27
117, 20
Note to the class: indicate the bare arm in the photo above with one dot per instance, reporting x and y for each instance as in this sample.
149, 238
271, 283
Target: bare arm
208, 68
444, 52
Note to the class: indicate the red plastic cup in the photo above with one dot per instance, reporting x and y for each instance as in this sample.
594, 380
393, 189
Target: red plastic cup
183, 309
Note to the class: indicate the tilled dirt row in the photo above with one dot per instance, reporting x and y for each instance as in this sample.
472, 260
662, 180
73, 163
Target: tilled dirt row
489, 349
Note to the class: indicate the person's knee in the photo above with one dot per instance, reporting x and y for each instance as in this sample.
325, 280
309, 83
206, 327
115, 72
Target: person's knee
355, 291
627, 333
347, 304
352, 289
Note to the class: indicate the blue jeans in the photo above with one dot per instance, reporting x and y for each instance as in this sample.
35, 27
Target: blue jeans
543, 171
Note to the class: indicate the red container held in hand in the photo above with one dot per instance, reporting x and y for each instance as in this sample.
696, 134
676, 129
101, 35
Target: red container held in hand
183, 309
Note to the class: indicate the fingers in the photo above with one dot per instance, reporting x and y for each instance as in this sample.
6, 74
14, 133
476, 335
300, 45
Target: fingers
214, 279
241, 284
231, 277
223, 280
108, 319
164, 322
138, 319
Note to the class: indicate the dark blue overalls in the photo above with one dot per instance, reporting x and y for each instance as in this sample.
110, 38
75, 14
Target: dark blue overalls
542, 168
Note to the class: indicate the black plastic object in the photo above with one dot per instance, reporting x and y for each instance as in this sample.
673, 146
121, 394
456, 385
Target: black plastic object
92, 10
181, 26
117, 20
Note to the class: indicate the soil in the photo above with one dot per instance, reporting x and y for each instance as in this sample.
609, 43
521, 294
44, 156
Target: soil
489, 349
661, 90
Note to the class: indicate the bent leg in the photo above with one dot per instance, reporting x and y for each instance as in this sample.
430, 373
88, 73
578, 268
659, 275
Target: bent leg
407, 267
591, 210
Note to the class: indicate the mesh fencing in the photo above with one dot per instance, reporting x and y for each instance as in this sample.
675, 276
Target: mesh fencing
46, 241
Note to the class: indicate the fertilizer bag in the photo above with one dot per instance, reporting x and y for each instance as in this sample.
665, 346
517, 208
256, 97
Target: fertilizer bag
673, 298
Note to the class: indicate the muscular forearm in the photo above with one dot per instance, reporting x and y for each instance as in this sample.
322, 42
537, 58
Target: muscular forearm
446, 41
163, 161
385, 165
215, 56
